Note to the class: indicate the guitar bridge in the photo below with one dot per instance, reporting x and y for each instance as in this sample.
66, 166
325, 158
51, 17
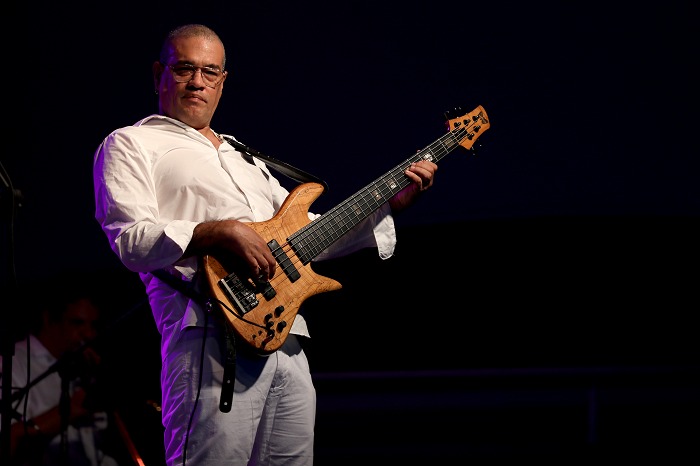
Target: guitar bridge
239, 294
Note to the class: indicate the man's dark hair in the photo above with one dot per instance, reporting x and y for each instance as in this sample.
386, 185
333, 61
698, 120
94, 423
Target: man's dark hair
54, 295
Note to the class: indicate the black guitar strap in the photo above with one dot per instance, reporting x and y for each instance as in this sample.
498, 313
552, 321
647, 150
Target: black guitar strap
286, 169
229, 350
229, 381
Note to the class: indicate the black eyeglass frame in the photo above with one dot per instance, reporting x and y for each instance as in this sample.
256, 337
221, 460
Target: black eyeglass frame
207, 73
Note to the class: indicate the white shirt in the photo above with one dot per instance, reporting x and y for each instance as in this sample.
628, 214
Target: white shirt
159, 178
45, 394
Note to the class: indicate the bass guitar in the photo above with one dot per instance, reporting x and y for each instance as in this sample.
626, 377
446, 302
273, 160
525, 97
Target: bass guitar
262, 313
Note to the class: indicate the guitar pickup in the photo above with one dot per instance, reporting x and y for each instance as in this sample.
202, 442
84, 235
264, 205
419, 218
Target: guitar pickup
283, 260
264, 288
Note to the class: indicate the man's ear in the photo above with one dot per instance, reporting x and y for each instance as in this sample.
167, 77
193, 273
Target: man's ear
157, 73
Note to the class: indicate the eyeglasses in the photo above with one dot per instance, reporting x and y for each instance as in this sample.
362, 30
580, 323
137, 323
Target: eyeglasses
184, 73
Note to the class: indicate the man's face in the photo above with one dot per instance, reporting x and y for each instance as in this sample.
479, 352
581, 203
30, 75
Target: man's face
192, 101
77, 326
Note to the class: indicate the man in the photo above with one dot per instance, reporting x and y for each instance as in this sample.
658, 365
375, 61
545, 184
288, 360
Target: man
170, 190
55, 367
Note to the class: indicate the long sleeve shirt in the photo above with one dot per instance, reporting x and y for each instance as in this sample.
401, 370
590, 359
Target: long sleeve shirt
159, 178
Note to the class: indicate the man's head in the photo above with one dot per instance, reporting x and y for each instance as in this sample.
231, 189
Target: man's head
77, 324
189, 76
68, 314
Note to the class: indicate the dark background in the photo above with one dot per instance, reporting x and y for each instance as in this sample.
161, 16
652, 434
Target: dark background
568, 240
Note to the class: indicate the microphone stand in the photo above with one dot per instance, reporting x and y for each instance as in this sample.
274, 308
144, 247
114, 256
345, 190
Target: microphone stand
64, 410
62, 366
65, 365
10, 199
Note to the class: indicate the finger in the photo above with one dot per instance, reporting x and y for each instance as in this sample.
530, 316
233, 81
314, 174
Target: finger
264, 270
424, 168
416, 178
424, 172
255, 271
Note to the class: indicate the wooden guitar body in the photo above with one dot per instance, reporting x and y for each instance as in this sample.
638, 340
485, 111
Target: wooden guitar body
267, 324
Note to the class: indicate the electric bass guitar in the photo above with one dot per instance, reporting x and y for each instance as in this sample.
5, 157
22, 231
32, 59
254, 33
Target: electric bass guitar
262, 313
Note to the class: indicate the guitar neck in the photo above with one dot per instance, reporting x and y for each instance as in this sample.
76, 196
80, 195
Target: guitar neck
314, 238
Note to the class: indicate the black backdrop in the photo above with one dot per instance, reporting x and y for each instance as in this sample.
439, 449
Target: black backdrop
567, 239
591, 153
584, 188
592, 108
590, 162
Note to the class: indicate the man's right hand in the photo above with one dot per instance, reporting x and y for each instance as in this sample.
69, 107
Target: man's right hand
237, 238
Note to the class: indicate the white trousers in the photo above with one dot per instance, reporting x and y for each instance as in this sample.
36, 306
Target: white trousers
271, 421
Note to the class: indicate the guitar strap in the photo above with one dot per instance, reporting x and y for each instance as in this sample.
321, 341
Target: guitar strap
286, 169
229, 350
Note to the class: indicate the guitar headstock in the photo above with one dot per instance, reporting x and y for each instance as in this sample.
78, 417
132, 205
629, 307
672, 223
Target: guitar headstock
471, 124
